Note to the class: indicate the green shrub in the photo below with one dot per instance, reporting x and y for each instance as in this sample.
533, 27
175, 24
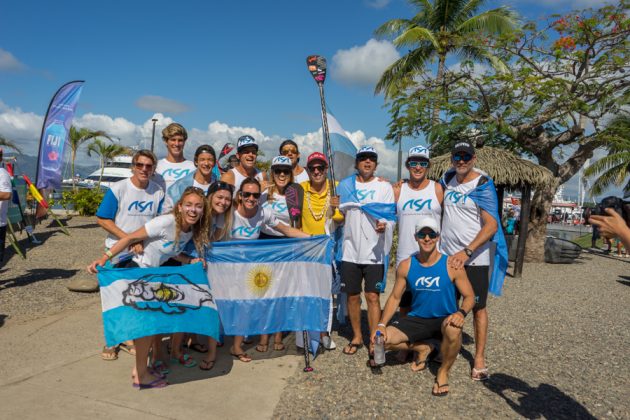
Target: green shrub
84, 201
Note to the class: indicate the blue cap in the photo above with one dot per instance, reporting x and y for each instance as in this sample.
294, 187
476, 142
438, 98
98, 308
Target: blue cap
245, 141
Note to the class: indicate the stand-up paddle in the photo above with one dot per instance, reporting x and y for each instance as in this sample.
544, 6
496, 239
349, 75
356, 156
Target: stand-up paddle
317, 67
224, 157
294, 195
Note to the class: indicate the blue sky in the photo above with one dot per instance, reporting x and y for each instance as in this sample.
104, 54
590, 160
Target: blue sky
222, 69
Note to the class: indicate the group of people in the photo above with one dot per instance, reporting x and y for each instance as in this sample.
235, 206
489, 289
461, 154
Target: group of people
169, 210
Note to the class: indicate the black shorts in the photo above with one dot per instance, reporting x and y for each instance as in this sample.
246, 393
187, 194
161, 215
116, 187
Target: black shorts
128, 263
478, 275
353, 274
419, 329
264, 235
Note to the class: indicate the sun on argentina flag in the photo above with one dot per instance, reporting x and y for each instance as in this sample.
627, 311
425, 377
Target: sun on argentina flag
273, 285
138, 302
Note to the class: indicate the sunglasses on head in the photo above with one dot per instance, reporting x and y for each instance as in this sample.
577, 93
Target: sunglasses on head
416, 163
247, 194
466, 157
422, 235
139, 165
318, 168
282, 171
220, 185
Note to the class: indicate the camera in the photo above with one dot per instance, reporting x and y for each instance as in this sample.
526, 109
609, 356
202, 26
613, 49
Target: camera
615, 203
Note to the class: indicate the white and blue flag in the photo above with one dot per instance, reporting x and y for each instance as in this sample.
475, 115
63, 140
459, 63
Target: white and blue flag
139, 302
274, 285
343, 150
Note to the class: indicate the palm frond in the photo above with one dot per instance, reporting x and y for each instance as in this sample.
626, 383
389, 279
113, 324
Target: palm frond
415, 36
7, 143
392, 28
496, 21
401, 69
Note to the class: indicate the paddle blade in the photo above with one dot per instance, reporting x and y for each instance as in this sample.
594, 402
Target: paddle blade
294, 195
224, 156
317, 66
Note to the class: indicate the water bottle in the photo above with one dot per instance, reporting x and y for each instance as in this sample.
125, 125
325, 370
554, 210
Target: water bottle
379, 349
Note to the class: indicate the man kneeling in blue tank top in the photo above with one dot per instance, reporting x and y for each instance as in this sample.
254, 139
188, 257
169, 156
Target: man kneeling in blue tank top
434, 313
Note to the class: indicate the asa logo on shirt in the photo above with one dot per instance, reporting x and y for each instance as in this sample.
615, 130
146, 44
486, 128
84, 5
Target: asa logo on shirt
277, 206
141, 206
455, 197
427, 282
175, 173
245, 231
365, 194
417, 205
180, 245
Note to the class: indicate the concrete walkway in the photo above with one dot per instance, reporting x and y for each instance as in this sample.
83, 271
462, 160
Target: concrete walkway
51, 368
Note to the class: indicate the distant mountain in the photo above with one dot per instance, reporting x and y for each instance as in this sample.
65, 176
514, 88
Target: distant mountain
26, 164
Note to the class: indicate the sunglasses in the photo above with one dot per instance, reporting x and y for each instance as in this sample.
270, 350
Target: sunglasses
282, 171
431, 235
250, 194
416, 163
139, 165
220, 185
249, 152
465, 157
291, 151
321, 168
370, 158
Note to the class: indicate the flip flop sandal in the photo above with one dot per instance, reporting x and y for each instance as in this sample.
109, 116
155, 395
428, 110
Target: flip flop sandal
109, 353
438, 393
198, 347
278, 346
128, 348
206, 364
348, 349
243, 357
158, 383
479, 374
262, 348
185, 360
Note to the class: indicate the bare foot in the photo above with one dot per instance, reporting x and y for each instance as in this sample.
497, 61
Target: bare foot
421, 361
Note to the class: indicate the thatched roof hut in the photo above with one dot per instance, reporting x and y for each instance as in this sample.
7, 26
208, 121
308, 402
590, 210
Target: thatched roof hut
504, 167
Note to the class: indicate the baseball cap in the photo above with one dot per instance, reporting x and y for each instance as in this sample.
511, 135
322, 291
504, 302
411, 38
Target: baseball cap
427, 222
316, 157
367, 151
280, 161
463, 147
418, 152
245, 141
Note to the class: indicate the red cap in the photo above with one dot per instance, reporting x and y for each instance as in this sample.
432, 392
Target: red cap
316, 156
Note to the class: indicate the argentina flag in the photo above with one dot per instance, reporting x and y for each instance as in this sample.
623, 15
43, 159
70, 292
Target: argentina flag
273, 285
138, 302
343, 150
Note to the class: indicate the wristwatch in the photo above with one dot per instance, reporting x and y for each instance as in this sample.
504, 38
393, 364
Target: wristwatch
468, 252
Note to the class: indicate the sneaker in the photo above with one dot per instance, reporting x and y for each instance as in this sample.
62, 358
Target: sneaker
328, 343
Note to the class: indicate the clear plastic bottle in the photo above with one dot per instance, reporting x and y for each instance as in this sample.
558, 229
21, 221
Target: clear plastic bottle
379, 349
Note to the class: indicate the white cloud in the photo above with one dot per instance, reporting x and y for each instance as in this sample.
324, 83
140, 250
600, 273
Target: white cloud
8, 62
363, 65
376, 4
24, 128
161, 104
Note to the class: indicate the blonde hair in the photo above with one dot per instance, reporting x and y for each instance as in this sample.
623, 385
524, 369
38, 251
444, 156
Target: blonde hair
228, 219
145, 153
174, 129
201, 228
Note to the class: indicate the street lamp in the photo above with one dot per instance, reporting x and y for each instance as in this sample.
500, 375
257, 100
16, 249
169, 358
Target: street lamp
399, 157
153, 134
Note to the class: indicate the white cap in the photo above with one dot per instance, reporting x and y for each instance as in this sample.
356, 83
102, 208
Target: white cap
367, 151
281, 161
419, 152
427, 222
245, 141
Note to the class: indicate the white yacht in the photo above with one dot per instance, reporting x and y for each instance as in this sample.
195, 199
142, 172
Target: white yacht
115, 169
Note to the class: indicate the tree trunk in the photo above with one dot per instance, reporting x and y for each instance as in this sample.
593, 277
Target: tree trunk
541, 205
73, 157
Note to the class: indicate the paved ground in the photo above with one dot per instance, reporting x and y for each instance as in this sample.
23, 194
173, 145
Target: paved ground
559, 340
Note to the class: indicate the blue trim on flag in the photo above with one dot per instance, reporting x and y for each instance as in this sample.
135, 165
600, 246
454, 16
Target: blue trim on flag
272, 250
126, 323
266, 316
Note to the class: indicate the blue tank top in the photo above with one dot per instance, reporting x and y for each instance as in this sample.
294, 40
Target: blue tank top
433, 292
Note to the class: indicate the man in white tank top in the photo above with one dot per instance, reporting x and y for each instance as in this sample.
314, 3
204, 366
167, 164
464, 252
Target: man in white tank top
246, 152
466, 234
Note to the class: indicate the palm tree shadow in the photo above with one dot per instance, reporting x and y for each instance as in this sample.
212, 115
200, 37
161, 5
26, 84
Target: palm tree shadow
546, 401
35, 275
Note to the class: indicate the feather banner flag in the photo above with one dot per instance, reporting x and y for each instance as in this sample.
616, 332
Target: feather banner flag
274, 285
139, 302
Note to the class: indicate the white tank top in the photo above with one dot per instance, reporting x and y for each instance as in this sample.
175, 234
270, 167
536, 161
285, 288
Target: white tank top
462, 222
238, 178
410, 206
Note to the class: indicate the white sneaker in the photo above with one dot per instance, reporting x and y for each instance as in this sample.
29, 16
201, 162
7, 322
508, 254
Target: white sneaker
328, 343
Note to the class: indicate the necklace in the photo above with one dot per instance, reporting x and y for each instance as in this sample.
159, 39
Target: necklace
320, 215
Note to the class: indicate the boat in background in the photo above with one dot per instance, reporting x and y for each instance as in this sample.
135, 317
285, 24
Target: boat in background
116, 169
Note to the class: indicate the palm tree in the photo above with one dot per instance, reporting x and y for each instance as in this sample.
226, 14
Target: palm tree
106, 152
613, 169
76, 138
440, 28
10, 144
